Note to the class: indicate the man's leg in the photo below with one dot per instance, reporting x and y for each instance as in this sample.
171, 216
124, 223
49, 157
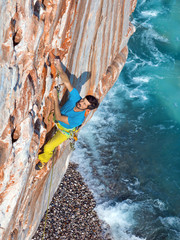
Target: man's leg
55, 141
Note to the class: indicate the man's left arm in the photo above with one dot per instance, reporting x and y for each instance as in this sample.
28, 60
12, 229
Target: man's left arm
57, 111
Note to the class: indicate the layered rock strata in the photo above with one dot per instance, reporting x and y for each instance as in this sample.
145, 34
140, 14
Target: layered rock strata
90, 37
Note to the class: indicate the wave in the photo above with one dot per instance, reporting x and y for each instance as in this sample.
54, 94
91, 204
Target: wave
173, 226
120, 217
173, 222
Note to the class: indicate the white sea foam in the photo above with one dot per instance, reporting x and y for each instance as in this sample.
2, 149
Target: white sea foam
120, 218
144, 79
171, 222
150, 13
152, 34
160, 204
159, 37
138, 93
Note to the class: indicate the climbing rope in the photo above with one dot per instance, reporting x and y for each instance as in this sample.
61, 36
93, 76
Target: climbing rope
48, 197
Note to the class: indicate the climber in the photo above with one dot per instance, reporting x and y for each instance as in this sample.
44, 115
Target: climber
69, 118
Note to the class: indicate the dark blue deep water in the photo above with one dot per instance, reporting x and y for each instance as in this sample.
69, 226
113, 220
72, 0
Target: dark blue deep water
129, 153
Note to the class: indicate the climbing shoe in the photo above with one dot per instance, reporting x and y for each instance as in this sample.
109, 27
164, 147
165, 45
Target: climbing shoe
39, 165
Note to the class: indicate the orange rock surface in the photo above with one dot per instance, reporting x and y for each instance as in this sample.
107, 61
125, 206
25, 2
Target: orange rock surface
90, 37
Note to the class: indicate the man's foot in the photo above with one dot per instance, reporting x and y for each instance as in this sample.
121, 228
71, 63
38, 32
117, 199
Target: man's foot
39, 165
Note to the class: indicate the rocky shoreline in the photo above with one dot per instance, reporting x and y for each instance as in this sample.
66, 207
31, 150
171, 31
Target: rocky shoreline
71, 213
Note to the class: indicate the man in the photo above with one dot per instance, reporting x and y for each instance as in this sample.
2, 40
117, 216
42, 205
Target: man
71, 115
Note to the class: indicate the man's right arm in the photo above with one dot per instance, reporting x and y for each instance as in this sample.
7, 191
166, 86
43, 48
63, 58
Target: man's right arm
63, 75
57, 111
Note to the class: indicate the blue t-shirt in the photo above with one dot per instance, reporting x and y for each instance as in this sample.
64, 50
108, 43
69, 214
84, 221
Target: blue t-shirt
75, 119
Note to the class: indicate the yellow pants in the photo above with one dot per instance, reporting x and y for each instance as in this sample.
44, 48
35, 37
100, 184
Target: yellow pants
60, 136
55, 141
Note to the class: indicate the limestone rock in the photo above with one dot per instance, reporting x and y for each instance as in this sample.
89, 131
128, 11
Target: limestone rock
90, 37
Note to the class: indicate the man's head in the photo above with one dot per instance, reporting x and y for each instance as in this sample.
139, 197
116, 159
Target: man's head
88, 102
93, 102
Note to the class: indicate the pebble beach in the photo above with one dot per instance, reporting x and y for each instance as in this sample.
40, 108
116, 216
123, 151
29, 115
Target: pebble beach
71, 213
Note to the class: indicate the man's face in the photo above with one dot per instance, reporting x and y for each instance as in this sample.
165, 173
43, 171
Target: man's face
83, 104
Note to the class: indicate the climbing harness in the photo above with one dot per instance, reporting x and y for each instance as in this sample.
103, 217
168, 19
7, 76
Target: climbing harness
73, 139
70, 134
48, 197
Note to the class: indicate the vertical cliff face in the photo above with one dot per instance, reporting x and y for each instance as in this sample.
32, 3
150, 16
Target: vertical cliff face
90, 37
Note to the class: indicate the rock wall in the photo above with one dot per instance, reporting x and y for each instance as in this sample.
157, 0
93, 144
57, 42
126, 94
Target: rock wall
90, 37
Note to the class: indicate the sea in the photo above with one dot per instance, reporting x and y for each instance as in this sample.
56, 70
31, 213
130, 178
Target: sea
129, 152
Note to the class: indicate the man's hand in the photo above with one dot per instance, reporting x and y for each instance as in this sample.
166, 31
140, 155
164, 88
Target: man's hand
57, 64
63, 75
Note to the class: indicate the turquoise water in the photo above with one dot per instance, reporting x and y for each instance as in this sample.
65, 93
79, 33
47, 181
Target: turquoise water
129, 153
